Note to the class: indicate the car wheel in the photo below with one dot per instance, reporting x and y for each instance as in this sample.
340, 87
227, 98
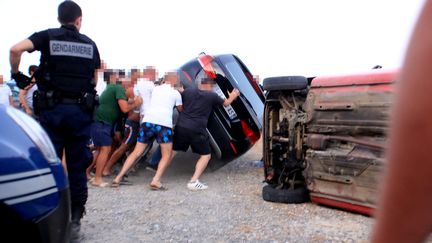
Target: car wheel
297, 195
285, 83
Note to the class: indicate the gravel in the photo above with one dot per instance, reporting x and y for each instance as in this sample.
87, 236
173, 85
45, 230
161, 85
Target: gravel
231, 210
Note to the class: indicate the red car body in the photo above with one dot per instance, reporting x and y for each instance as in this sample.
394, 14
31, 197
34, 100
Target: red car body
335, 138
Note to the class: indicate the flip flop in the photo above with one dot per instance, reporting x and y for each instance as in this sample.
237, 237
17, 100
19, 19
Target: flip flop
158, 188
115, 184
102, 185
125, 182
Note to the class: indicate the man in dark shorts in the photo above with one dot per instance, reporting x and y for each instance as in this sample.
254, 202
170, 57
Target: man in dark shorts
130, 134
191, 126
112, 103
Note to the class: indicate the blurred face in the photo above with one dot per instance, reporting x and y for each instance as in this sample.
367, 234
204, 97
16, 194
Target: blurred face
126, 83
149, 73
1, 79
171, 78
207, 86
134, 76
113, 77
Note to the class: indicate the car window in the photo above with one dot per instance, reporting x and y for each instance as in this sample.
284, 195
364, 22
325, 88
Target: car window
245, 87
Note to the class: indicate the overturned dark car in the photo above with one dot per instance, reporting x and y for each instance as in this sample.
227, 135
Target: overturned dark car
233, 129
324, 138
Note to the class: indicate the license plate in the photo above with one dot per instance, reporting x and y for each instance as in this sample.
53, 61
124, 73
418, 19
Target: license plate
229, 110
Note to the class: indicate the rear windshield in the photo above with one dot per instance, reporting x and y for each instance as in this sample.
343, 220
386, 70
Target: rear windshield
236, 72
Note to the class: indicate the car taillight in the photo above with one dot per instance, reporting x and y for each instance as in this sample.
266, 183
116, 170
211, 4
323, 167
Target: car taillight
233, 148
249, 133
205, 62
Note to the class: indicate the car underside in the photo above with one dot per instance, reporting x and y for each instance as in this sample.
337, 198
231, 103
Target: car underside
325, 139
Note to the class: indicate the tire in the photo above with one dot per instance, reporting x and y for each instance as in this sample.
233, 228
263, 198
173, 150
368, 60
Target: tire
298, 195
285, 83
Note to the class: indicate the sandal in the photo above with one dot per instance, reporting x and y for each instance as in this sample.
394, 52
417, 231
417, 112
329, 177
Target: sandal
103, 184
115, 184
125, 182
158, 188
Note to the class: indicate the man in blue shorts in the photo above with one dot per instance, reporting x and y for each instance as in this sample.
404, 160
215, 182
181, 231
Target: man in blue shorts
112, 103
130, 133
157, 124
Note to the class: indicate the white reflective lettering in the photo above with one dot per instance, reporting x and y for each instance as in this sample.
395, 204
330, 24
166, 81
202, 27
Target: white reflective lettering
73, 49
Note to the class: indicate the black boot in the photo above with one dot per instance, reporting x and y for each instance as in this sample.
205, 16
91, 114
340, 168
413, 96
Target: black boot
77, 214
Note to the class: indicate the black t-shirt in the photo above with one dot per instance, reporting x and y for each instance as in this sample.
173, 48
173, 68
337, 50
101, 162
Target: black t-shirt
40, 42
197, 106
68, 60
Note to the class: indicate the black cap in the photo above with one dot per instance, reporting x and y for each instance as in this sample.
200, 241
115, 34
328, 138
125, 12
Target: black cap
68, 12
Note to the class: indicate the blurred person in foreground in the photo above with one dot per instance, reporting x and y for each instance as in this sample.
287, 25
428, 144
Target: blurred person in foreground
404, 212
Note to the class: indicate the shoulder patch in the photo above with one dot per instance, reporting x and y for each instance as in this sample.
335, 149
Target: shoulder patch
73, 49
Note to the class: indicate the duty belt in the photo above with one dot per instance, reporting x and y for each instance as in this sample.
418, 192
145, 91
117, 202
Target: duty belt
70, 100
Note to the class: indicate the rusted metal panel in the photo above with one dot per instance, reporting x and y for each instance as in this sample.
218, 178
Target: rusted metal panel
354, 109
347, 123
348, 173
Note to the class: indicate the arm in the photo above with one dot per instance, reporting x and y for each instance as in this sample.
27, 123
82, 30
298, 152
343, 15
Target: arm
11, 101
16, 52
126, 107
23, 101
179, 108
232, 96
404, 212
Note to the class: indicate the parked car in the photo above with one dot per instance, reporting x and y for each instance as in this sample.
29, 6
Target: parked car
324, 138
233, 129
34, 191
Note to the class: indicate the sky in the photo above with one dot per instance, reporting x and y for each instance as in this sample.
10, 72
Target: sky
273, 37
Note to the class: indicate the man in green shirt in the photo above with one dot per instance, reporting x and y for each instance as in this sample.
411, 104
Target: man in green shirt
112, 103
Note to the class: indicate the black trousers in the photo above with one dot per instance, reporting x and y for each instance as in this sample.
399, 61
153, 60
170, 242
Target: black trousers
68, 126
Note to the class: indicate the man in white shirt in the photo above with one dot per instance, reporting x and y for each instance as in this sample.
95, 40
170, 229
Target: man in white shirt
144, 88
6, 93
157, 124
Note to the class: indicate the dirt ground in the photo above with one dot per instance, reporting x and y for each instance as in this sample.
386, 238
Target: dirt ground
231, 210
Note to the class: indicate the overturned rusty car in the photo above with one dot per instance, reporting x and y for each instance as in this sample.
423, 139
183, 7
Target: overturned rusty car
324, 138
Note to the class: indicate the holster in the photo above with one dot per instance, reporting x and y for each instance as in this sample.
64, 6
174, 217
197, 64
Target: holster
89, 102
43, 100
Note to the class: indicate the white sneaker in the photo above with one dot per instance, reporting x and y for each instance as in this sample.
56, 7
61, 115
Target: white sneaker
196, 186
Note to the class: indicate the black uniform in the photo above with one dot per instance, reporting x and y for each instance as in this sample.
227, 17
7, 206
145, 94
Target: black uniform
65, 98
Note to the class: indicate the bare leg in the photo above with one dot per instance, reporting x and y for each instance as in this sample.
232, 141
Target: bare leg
92, 165
100, 163
166, 149
118, 153
64, 162
200, 166
138, 150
